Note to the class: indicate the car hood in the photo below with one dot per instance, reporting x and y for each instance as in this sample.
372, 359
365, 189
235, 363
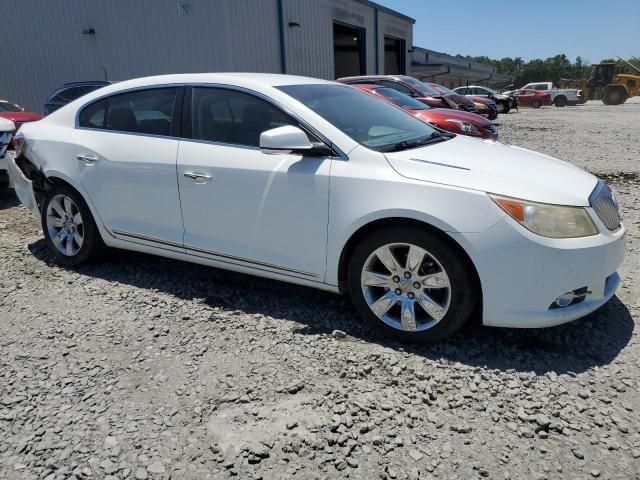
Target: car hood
496, 168
443, 114
21, 116
482, 100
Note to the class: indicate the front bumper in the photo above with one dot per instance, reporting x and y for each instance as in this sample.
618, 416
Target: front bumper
23, 187
522, 273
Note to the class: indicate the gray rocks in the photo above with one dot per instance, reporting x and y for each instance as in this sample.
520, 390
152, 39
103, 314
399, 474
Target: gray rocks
144, 368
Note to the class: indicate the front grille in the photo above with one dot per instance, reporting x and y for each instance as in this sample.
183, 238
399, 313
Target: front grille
469, 107
604, 204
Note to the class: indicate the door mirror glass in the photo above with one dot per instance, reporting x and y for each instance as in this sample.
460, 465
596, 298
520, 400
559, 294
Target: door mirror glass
286, 138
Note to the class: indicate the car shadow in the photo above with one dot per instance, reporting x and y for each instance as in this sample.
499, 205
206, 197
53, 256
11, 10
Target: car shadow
593, 341
8, 198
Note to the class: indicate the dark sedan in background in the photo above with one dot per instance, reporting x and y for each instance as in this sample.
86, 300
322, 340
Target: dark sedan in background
503, 102
68, 92
416, 89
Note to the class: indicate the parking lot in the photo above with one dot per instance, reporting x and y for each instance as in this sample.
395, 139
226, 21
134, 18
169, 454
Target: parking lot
142, 367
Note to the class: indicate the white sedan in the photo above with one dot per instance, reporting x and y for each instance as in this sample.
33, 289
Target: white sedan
319, 184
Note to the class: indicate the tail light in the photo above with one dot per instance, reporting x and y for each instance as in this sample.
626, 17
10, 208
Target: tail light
19, 143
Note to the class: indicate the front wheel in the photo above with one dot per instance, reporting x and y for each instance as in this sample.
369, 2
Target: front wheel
536, 104
411, 284
69, 229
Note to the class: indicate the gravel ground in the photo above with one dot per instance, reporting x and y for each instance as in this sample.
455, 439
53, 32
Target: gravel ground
141, 367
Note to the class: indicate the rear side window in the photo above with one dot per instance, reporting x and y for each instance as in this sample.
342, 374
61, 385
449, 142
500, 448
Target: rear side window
232, 117
142, 111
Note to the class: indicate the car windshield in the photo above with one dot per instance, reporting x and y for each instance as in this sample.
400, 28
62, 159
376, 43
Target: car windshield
420, 86
443, 90
9, 107
400, 99
368, 120
487, 89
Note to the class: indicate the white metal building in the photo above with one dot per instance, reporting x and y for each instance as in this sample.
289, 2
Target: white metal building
46, 44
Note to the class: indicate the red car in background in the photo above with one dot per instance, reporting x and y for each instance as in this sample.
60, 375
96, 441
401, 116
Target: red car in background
415, 88
17, 114
531, 98
485, 106
454, 121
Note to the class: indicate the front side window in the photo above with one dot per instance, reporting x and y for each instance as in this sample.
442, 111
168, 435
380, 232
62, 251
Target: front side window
229, 116
141, 111
366, 119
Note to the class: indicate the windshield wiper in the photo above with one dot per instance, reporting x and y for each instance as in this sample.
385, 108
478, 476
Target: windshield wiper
435, 137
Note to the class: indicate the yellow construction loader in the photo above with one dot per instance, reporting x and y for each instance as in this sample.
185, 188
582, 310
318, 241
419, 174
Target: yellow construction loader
608, 82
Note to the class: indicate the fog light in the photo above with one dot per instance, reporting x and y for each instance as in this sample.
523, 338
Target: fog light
564, 300
570, 298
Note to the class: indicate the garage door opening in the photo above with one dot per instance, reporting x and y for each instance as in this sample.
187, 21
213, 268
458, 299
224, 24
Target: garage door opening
348, 50
394, 56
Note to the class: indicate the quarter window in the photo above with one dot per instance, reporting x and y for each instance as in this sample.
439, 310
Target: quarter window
229, 116
93, 116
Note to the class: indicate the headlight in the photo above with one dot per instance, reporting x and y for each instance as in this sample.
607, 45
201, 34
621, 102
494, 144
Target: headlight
553, 221
465, 127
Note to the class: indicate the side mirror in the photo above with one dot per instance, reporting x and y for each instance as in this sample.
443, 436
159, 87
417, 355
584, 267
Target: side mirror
290, 139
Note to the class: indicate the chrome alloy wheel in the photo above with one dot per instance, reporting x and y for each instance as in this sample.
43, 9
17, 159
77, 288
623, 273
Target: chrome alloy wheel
406, 287
65, 225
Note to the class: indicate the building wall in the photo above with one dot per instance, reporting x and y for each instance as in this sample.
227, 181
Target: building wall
45, 47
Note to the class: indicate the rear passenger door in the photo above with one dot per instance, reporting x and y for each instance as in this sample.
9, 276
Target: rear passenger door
125, 148
240, 205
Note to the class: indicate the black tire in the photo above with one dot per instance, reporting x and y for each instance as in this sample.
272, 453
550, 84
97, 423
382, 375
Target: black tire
463, 289
560, 101
536, 104
502, 107
614, 95
92, 248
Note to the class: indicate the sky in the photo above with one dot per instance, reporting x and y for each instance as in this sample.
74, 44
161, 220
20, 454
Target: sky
592, 29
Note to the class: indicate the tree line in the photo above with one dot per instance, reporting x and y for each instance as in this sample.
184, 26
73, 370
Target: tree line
551, 69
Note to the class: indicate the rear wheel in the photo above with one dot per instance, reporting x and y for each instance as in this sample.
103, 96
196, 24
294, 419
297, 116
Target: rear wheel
560, 101
411, 284
69, 229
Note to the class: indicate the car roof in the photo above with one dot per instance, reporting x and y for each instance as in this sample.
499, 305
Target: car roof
369, 86
263, 79
86, 82
374, 77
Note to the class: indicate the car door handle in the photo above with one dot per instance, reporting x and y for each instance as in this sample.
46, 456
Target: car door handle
88, 159
198, 177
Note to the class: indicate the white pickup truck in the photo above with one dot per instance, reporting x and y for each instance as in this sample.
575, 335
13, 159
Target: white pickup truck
561, 97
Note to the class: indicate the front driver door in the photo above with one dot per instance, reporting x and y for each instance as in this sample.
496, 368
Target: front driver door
241, 205
126, 160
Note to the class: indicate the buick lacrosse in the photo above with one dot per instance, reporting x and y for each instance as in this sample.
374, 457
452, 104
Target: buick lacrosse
319, 184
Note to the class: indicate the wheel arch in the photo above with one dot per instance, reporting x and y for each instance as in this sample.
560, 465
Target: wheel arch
395, 222
51, 177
